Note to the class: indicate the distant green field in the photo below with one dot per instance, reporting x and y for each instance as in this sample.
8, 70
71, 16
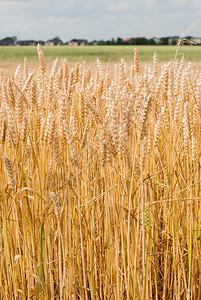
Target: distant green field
104, 53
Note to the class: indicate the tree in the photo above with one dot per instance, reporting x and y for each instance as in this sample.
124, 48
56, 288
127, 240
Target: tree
152, 42
120, 41
164, 41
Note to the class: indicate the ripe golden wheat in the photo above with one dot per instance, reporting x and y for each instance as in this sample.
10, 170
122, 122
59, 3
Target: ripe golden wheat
100, 182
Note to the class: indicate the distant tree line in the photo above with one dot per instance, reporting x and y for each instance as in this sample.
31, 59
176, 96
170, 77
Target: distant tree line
169, 40
119, 41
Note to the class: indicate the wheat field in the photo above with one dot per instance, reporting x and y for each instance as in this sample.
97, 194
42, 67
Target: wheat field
100, 181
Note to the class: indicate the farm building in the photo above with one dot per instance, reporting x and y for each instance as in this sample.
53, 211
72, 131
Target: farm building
128, 40
79, 42
7, 42
173, 40
196, 40
54, 42
27, 43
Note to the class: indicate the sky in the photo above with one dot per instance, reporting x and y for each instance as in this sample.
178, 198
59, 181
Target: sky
97, 19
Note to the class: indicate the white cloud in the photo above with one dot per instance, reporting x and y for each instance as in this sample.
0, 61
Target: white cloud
120, 7
67, 20
197, 13
111, 17
198, 3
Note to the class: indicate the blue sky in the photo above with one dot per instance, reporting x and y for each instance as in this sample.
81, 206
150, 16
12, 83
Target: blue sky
92, 19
